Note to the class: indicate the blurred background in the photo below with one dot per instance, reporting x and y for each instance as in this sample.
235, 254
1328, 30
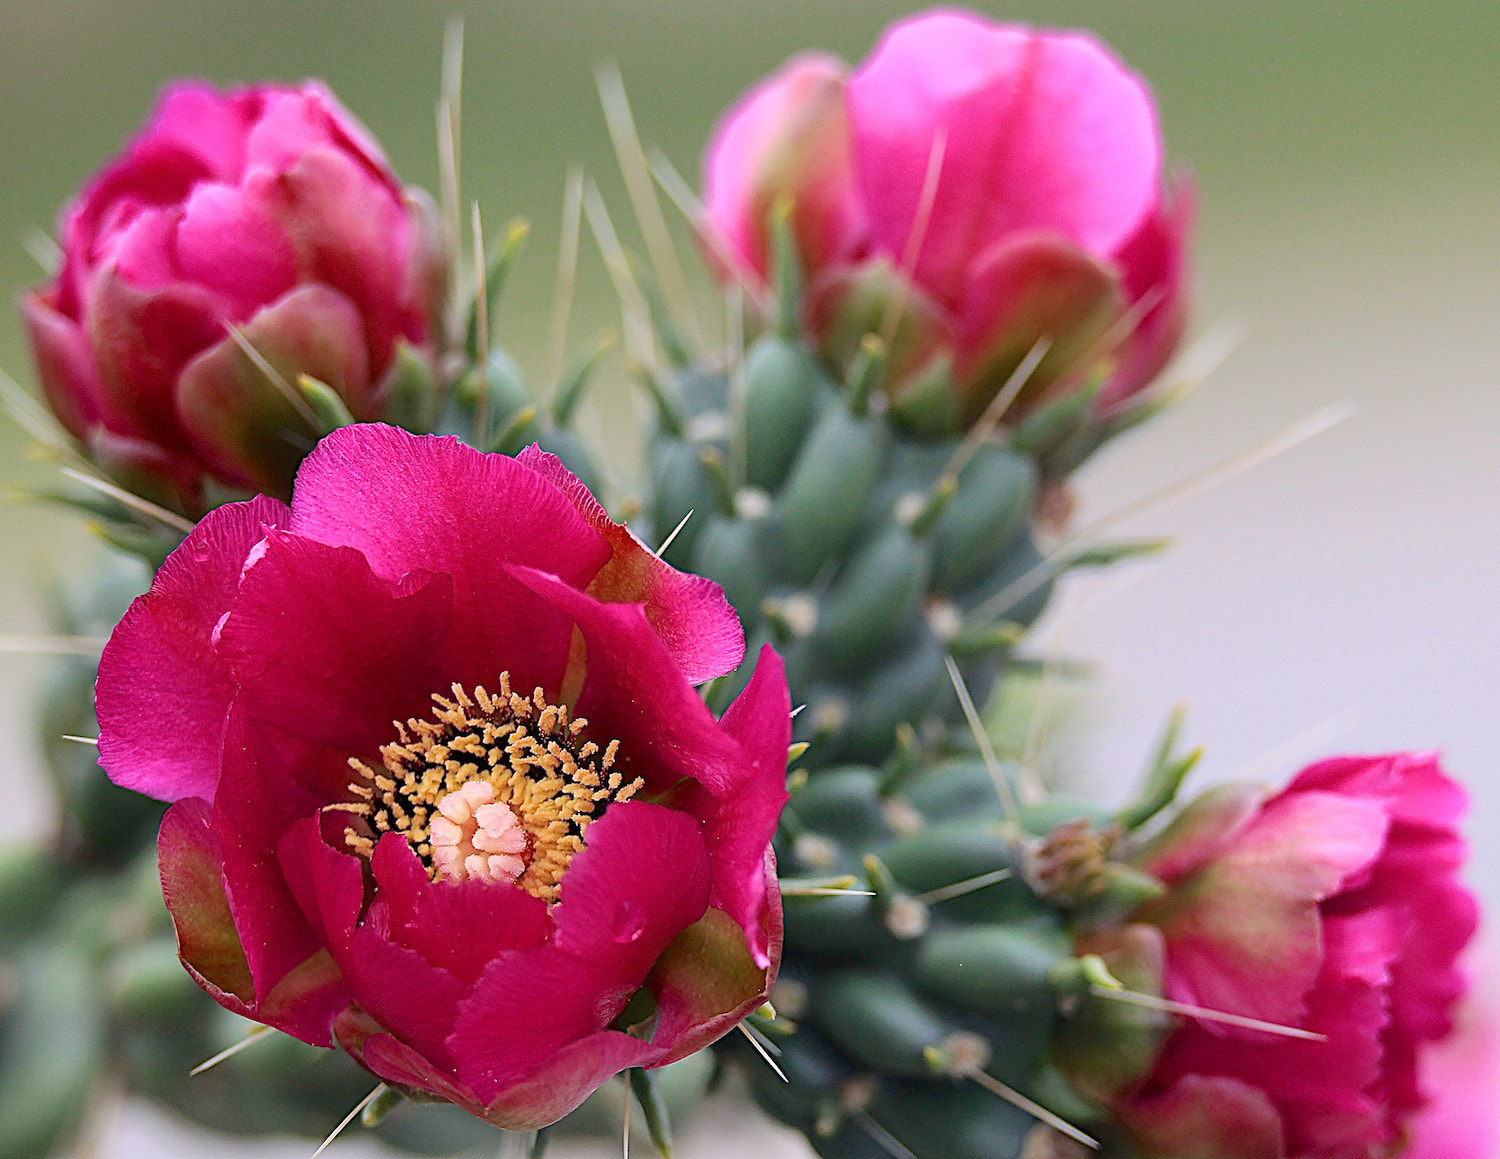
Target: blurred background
1340, 597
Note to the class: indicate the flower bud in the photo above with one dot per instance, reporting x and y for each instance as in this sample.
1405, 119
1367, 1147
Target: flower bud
972, 190
1331, 910
242, 240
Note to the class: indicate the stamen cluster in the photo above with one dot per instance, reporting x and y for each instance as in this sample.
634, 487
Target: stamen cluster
527, 752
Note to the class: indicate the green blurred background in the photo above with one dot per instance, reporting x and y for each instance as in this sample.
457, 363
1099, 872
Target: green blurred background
1348, 162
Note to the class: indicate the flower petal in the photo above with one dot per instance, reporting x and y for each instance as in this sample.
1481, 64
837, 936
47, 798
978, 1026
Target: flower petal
1042, 129
163, 691
1207, 1118
423, 503
327, 650
241, 424
458, 926
64, 363
740, 828
689, 612
789, 135
641, 878
634, 692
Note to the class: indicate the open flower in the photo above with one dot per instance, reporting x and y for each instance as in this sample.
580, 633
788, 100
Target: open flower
1333, 906
266, 208
554, 865
989, 185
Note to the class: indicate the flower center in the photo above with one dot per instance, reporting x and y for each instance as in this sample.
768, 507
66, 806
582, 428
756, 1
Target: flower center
500, 788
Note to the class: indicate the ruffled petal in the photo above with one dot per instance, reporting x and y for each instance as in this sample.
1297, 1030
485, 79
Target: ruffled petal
689, 612
634, 692
328, 651
458, 926
420, 503
740, 828
1244, 935
642, 877
163, 690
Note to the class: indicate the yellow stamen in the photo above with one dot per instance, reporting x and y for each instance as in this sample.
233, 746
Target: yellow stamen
458, 784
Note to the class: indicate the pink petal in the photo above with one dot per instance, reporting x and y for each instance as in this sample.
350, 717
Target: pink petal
789, 135
634, 692
739, 830
420, 503
191, 860
409, 997
204, 123
1207, 1118
239, 422
689, 613
227, 243
458, 926
64, 363
1244, 934
567, 1077
328, 651
1156, 266
642, 877
142, 339
348, 231
1042, 129
1031, 287
257, 803
163, 691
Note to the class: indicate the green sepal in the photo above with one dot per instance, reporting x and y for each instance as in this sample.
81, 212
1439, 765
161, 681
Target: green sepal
380, 1106
412, 397
1164, 775
1045, 429
1109, 554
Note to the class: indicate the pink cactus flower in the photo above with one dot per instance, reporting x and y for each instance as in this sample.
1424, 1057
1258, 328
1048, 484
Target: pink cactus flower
1335, 907
1002, 182
269, 209
554, 865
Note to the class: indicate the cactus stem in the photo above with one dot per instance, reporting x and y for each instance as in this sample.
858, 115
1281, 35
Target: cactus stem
349, 1118
1187, 1010
1003, 788
229, 1051
765, 1048
667, 542
718, 475
134, 502
648, 1094
1035, 1109
968, 885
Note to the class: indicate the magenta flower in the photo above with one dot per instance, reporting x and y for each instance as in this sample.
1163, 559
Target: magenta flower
268, 208
1043, 216
1334, 906
558, 867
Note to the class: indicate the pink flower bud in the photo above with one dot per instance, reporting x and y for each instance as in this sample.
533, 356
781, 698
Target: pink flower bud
1332, 907
266, 209
557, 866
1006, 178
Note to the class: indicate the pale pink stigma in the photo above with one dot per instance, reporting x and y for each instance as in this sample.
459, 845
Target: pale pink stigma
473, 835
